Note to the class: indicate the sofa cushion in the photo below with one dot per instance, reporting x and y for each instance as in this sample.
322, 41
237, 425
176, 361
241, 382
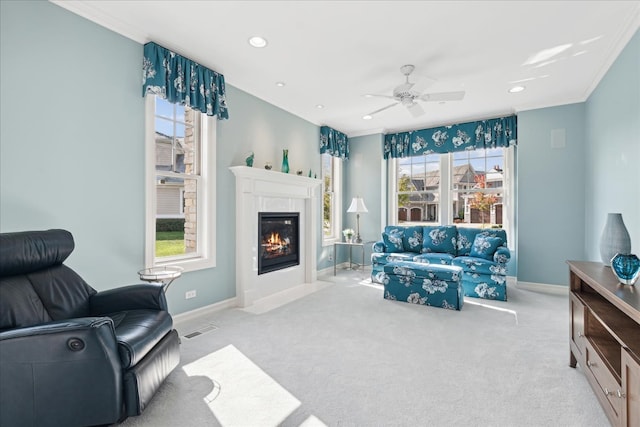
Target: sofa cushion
479, 266
466, 237
383, 258
485, 246
440, 239
412, 239
434, 258
393, 241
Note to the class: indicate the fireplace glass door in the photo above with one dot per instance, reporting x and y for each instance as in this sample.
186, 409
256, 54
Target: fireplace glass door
278, 240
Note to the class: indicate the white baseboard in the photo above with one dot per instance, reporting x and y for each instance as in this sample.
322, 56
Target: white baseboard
207, 309
543, 287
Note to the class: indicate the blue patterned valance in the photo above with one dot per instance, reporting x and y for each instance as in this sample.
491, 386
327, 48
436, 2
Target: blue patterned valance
334, 142
182, 81
492, 133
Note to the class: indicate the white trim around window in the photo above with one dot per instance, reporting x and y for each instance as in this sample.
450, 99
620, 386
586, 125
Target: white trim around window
336, 215
205, 256
445, 191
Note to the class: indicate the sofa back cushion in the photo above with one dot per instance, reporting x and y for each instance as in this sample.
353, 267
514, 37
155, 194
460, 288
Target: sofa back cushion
393, 241
485, 246
440, 239
467, 235
412, 239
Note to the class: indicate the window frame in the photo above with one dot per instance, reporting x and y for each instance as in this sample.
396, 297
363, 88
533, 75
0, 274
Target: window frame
336, 214
205, 256
446, 189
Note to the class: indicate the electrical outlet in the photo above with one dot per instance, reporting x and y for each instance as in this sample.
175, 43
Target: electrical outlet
330, 257
190, 294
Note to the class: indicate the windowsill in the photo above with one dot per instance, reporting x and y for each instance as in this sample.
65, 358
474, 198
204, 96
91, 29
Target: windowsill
193, 264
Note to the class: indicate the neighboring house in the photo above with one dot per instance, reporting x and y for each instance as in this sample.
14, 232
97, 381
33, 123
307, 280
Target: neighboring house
423, 201
170, 191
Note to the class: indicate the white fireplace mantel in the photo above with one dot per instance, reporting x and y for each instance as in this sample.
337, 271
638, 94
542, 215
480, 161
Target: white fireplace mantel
261, 190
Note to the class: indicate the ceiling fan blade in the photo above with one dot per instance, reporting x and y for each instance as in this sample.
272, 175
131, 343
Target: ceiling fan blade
375, 95
383, 108
415, 109
442, 96
422, 84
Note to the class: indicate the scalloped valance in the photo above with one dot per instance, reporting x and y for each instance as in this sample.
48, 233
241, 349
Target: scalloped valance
491, 133
334, 142
182, 81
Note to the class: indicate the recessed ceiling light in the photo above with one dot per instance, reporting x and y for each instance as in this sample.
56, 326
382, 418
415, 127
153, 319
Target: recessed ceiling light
319, 106
280, 84
516, 89
257, 41
367, 117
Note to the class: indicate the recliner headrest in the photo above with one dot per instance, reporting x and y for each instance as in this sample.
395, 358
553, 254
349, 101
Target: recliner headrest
27, 251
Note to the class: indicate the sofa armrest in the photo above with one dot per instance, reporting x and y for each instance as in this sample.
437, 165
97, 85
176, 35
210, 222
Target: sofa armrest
135, 297
502, 255
379, 247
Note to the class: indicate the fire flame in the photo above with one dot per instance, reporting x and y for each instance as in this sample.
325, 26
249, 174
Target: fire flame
276, 245
275, 240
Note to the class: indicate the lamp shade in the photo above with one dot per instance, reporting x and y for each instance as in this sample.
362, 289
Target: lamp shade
357, 206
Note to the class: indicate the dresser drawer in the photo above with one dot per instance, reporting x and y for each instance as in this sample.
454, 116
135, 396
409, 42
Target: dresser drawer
607, 382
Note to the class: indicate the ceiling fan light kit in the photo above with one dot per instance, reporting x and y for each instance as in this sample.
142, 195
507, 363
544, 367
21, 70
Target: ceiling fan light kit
403, 94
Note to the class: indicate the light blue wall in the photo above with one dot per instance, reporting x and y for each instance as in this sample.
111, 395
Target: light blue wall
78, 162
364, 177
550, 194
71, 140
613, 150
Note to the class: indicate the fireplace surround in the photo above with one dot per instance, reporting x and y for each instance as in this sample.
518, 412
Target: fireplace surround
259, 190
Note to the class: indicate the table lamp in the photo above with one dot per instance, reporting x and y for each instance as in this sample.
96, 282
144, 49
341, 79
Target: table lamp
357, 207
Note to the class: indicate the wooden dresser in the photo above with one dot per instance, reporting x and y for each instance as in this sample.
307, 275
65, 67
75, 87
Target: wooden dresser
605, 338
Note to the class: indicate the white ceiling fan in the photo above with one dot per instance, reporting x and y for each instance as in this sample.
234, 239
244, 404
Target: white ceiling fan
403, 94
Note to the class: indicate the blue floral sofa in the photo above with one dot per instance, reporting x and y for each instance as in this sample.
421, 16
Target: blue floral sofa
481, 253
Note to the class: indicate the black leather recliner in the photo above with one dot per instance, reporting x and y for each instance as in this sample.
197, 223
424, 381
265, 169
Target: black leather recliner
71, 356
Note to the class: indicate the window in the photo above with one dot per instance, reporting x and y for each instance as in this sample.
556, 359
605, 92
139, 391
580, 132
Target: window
180, 187
472, 188
331, 198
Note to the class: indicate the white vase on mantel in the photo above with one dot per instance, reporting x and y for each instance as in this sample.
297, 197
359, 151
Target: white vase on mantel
615, 238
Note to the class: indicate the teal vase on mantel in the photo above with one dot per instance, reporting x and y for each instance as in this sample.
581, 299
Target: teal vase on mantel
285, 161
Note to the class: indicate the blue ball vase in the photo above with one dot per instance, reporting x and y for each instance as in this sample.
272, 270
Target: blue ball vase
626, 267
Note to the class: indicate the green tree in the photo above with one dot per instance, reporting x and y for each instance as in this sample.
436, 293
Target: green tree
326, 206
404, 184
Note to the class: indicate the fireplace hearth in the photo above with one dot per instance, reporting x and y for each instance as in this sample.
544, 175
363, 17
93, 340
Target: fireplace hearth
278, 241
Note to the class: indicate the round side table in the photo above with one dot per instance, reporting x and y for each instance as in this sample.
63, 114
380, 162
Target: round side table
161, 275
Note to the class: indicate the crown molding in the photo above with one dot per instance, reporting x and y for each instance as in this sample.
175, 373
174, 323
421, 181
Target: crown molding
88, 11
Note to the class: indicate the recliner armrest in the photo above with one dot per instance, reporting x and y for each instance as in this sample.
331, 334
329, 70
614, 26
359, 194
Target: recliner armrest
66, 325
134, 297
66, 372
502, 255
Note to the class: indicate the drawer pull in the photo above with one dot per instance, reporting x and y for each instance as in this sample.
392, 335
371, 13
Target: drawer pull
580, 335
607, 392
590, 363
621, 395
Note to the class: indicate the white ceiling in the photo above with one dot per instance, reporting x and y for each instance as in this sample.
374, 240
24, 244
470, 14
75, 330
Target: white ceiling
334, 52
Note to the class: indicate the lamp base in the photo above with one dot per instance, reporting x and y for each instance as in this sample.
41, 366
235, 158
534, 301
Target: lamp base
357, 239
